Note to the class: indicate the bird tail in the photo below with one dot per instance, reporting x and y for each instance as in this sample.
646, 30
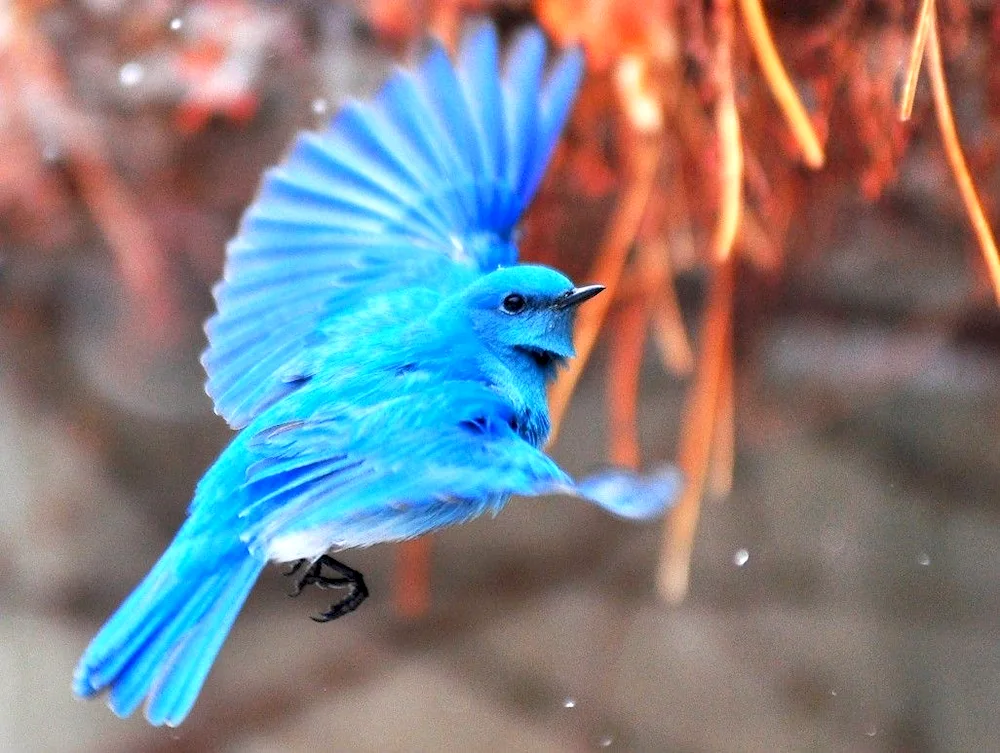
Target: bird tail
163, 639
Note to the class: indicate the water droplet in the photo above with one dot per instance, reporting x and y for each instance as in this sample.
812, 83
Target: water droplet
741, 557
833, 693
605, 742
51, 154
176, 24
320, 106
569, 703
923, 559
131, 74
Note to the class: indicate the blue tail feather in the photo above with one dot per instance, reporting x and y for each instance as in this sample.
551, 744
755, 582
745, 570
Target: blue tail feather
161, 642
122, 635
133, 682
177, 687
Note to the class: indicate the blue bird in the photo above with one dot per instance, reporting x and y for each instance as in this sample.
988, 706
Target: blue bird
382, 353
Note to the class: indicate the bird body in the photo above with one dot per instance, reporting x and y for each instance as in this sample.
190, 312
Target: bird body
382, 354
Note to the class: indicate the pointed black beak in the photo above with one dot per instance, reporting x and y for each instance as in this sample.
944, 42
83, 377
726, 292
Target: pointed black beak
576, 296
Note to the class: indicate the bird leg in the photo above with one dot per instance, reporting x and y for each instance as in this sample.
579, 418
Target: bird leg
347, 578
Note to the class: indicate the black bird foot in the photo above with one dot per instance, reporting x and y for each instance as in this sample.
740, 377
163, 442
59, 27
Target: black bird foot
347, 578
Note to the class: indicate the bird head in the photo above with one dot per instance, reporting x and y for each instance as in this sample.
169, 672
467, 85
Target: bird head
527, 311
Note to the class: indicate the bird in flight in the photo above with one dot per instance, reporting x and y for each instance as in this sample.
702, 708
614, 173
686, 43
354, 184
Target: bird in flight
382, 353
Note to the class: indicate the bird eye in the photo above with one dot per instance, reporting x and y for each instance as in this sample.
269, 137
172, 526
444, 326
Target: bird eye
513, 303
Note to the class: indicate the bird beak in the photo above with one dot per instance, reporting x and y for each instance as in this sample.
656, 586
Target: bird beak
576, 296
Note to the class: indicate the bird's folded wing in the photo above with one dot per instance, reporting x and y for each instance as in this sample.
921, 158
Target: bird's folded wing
411, 463
391, 470
422, 185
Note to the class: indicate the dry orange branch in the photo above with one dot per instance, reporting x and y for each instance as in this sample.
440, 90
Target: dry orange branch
720, 463
630, 326
125, 228
953, 150
924, 20
730, 170
697, 436
607, 269
668, 328
702, 418
781, 86
411, 588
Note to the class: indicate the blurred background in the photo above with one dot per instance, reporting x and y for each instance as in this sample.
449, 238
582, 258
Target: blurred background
826, 370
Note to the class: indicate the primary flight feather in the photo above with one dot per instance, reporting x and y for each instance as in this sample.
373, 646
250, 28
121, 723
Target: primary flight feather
382, 353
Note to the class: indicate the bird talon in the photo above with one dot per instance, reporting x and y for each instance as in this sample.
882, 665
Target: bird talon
327, 583
300, 583
345, 606
349, 578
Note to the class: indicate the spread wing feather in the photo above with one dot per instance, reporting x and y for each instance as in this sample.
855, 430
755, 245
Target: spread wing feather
423, 185
347, 475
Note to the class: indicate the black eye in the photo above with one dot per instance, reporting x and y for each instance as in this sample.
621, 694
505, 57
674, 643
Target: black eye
513, 303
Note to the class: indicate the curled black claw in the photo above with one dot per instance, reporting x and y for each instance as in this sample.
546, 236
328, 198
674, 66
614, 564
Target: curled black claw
346, 578
297, 588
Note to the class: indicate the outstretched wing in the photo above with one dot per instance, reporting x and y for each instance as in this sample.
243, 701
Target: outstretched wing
423, 185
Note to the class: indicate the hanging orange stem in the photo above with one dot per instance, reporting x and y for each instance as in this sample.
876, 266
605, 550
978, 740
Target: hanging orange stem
730, 169
781, 86
412, 578
701, 422
668, 328
630, 324
129, 235
607, 270
924, 21
697, 435
720, 464
953, 150
445, 16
